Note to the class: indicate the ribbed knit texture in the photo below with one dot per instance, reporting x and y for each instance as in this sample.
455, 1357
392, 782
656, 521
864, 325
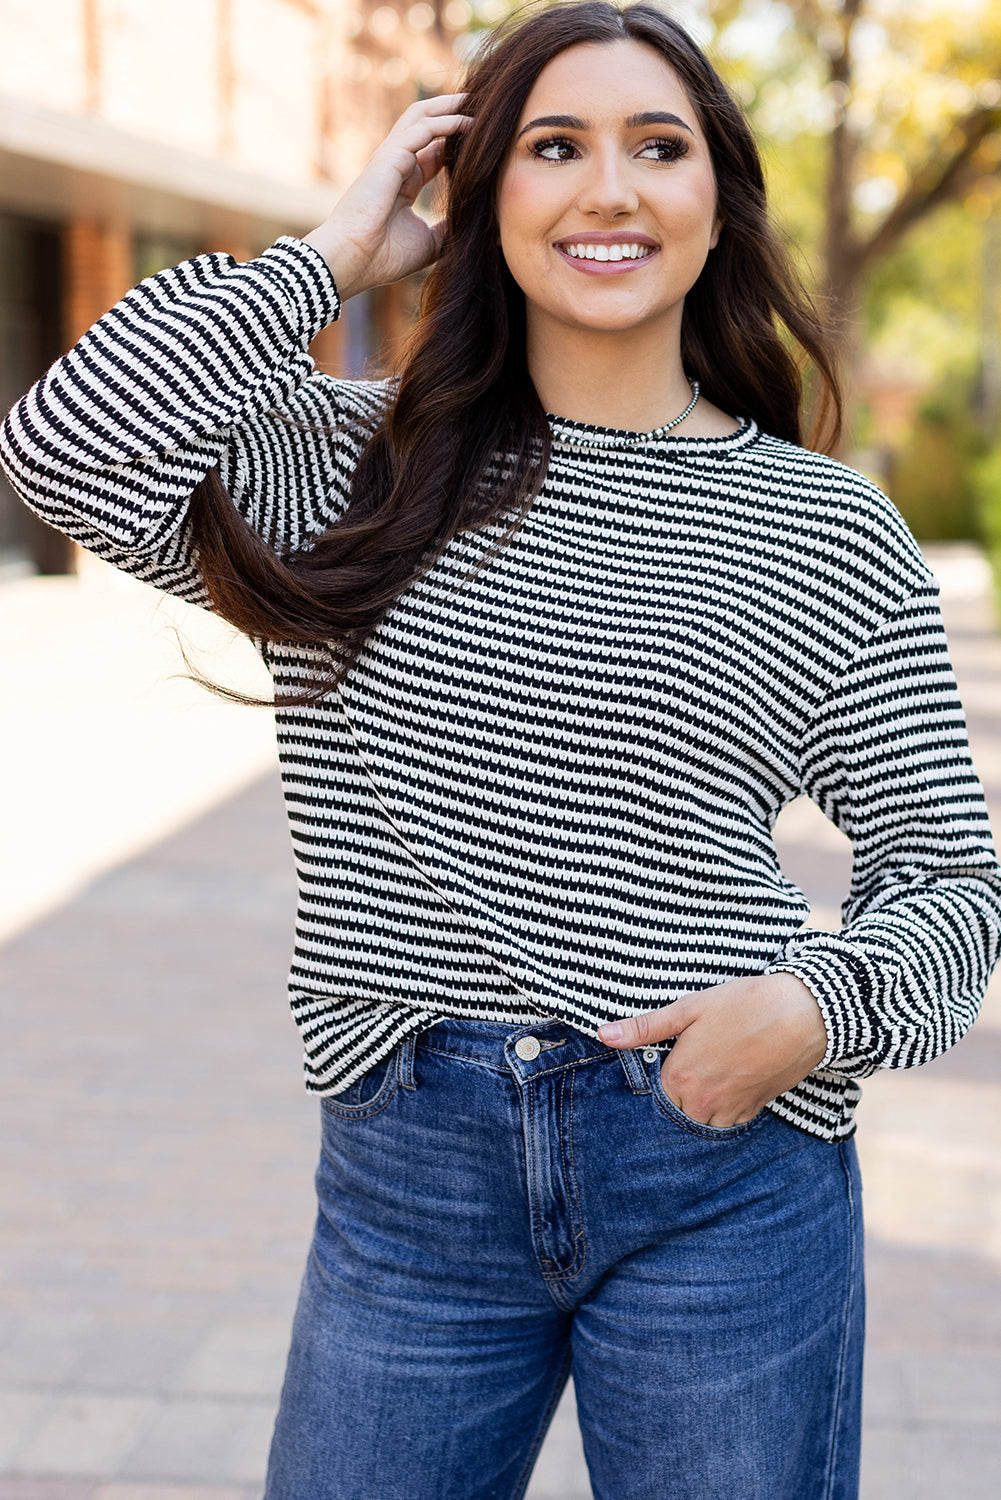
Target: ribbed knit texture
549, 784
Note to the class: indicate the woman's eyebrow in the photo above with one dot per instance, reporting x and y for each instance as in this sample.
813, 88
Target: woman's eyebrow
567, 122
656, 117
634, 122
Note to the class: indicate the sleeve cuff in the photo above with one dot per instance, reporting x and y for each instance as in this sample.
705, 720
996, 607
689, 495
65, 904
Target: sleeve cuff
843, 983
306, 281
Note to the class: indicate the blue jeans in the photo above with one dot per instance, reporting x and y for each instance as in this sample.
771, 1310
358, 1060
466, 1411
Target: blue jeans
495, 1215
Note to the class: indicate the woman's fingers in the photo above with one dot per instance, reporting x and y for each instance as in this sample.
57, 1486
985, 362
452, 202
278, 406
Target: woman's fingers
652, 1026
437, 231
409, 149
441, 112
427, 165
438, 104
430, 158
740, 1044
372, 236
427, 121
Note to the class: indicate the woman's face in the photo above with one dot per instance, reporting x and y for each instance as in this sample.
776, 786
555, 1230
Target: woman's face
606, 201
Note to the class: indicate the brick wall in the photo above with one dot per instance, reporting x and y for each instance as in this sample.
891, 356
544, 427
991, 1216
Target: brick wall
97, 270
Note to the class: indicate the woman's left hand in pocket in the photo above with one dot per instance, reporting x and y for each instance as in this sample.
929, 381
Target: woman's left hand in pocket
738, 1045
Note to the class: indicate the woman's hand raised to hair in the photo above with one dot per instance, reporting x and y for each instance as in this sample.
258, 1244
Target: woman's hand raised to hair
739, 1045
373, 236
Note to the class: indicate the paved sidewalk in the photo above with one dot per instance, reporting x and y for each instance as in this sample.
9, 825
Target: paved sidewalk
110, 745
157, 1148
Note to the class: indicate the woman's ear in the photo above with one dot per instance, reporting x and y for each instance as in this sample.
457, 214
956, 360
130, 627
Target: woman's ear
717, 231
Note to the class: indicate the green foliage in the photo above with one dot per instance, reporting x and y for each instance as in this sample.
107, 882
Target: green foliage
986, 486
931, 477
880, 122
922, 302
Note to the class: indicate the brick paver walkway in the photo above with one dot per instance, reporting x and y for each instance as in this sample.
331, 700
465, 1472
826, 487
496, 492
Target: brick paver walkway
157, 1153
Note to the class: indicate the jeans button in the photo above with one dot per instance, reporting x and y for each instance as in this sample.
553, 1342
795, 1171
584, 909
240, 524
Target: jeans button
650, 1054
527, 1048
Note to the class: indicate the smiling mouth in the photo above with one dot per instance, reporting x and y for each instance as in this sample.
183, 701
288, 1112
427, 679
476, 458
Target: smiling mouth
591, 251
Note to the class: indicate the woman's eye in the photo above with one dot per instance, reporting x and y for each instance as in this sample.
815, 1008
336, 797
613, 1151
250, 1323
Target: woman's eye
670, 149
555, 149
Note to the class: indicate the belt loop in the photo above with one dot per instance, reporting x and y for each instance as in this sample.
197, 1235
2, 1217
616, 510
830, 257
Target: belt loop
634, 1071
405, 1061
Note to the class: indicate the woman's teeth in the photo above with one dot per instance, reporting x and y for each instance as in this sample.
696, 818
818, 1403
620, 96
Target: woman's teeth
608, 252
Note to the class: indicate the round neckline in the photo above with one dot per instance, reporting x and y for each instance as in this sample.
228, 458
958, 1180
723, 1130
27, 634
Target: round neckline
567, 432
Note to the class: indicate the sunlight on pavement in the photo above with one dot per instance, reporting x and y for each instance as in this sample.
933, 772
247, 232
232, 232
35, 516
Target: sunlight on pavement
930, 1163
111, 747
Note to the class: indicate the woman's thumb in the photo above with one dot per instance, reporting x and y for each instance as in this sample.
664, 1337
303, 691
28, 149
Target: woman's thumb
651, 1026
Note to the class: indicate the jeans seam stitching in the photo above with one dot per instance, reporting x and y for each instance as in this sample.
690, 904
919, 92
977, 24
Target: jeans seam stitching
576, 1265
364, 1111
559, 1386
552, 1279
533, 1190
475, 1062
537, 1073
706, 1132
843, 1347
579, 1062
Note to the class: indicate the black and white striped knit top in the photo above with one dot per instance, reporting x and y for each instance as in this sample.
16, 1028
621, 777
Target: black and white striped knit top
549, 784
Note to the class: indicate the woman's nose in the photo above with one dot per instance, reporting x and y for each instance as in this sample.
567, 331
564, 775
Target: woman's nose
608, 189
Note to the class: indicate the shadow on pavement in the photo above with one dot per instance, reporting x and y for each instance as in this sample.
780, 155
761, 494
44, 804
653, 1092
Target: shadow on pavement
158, 1161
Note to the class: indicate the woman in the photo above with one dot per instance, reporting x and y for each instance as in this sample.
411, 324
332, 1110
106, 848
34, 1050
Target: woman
558, 622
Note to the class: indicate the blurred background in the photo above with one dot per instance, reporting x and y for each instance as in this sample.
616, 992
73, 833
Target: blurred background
156, 1146
134, 133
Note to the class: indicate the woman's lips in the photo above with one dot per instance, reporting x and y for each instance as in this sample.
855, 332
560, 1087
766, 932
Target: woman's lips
595, 267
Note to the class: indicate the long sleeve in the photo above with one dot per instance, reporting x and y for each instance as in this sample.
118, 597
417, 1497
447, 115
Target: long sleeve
886, 759
201, 365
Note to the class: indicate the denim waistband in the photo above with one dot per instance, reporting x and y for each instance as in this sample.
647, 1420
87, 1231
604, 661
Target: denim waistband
528, 1052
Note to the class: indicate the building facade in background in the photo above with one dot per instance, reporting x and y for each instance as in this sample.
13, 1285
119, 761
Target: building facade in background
134, 133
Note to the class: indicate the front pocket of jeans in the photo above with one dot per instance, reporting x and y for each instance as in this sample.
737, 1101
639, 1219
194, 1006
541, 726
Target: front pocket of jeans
368, 1094
667, 1107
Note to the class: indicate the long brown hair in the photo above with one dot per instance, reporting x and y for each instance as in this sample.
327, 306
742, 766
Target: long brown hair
464, 394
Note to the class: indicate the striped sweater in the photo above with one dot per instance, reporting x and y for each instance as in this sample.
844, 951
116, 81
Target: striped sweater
549, 784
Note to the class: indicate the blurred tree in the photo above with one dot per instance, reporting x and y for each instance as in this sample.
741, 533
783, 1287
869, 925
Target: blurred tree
894, 106
880, 122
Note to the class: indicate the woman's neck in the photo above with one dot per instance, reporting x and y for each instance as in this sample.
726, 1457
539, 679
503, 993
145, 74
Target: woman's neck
631, 378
